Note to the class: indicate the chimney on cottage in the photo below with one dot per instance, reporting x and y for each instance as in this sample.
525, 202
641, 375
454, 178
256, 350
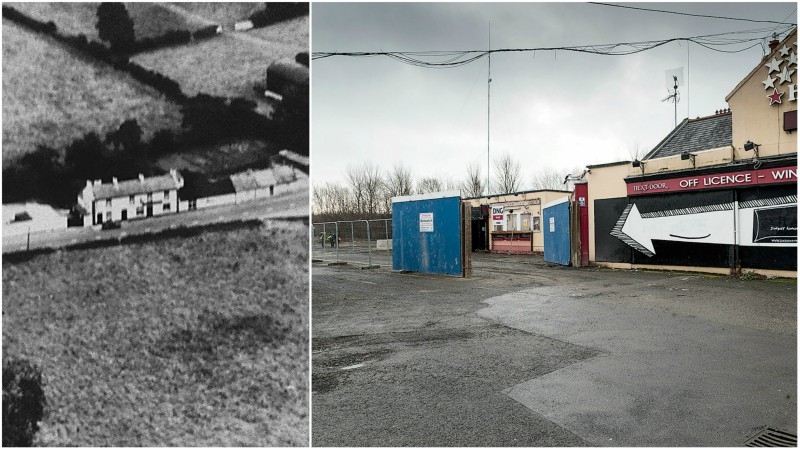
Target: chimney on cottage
115, 181
141, 178
88, 183
98, 182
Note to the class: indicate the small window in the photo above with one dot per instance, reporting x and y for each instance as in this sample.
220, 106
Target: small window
140, 211
108, 203
166, 194
132, 199
166, 207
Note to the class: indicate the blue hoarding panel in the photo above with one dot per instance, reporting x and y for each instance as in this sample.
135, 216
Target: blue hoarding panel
426, 235
556, 232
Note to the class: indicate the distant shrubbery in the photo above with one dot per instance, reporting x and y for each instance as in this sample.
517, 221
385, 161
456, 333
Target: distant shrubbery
278, 12
23, 403
205, 32
168, 39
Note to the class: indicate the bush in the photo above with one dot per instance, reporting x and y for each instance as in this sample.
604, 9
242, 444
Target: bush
205, 32
278, 12
168, 39
23, 403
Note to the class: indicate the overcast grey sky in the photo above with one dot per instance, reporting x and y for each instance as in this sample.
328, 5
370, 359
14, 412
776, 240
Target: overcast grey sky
549, 109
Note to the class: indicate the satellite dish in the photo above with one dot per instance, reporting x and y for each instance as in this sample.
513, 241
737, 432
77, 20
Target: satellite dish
672, 76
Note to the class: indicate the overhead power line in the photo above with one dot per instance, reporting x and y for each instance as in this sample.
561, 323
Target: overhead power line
720, 42
688, 14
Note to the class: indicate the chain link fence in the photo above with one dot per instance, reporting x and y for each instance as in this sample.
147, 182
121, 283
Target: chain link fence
366, 243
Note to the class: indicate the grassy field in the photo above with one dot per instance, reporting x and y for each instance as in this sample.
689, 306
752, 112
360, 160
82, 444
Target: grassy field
52, 96
70, 18
224, 66
152, 19
225, 14
199, 341
149, 19
292, 32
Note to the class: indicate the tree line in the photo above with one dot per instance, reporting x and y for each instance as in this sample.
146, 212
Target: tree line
367, 192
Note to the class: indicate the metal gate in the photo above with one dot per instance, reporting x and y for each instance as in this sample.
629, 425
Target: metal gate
556, 215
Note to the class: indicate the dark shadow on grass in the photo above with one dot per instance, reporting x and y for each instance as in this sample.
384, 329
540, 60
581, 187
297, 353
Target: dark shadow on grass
217, 337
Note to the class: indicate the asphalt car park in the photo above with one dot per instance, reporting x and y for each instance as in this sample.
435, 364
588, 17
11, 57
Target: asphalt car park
525, 353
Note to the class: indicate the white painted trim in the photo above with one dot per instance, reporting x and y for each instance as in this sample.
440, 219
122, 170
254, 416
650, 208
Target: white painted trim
428, 196
555, 202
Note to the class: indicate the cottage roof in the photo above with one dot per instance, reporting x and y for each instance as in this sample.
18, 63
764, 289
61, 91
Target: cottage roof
704, 133
198, 186
250, 180
141, 185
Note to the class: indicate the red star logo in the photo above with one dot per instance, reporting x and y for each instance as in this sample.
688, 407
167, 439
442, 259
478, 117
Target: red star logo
775, 97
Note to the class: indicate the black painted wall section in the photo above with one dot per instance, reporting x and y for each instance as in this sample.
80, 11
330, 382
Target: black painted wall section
610, 249
777, 258
607, 248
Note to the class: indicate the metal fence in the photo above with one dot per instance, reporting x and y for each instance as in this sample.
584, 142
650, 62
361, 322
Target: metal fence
366, 243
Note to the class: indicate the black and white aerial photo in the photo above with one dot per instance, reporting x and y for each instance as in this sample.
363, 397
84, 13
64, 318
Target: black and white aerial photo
155, 224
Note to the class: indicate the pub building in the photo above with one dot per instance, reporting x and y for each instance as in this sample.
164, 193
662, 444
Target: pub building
717, 194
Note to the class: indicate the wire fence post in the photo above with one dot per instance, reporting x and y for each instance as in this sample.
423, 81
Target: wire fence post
336, 239
369, 244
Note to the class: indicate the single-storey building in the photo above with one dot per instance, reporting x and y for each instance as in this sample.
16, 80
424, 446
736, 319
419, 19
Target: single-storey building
24, 218
510, 223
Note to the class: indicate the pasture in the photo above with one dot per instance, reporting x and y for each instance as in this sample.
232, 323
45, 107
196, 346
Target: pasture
225, 14
149, 19
52, 96
189, 341
226, 66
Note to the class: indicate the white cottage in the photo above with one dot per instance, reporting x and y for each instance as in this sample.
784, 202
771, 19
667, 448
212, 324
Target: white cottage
130, 199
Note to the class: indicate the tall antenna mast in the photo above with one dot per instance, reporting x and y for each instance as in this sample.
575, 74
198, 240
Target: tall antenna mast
674, 96
488, 110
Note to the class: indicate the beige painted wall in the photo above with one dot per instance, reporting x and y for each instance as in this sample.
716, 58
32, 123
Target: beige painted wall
536, 210
753, 117
604, 182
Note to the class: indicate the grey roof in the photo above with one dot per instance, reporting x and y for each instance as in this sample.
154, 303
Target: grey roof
251, 180
136, 186
696, 135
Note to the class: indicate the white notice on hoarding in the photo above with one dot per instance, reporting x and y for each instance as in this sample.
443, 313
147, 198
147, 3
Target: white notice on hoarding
425, 222
552, 224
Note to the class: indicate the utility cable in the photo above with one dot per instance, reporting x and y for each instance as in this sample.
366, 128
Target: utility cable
688, 14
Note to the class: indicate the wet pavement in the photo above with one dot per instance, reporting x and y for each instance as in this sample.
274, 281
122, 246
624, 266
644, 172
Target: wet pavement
530, 354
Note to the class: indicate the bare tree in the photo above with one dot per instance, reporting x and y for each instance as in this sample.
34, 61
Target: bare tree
366, 185
549, 179
429, 184
473, 185
636, 151
398, 182
507, 174
331, 199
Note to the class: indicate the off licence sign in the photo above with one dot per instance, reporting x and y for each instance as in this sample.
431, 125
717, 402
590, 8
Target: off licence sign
716, 181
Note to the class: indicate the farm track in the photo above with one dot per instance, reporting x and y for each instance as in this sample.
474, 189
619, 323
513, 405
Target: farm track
237, 35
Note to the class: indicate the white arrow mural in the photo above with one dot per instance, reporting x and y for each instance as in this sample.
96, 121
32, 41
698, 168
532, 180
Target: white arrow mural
765, 222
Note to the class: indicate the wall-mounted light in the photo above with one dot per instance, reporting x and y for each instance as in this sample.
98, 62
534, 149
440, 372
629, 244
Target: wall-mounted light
749, 145
687, 155
636, 163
